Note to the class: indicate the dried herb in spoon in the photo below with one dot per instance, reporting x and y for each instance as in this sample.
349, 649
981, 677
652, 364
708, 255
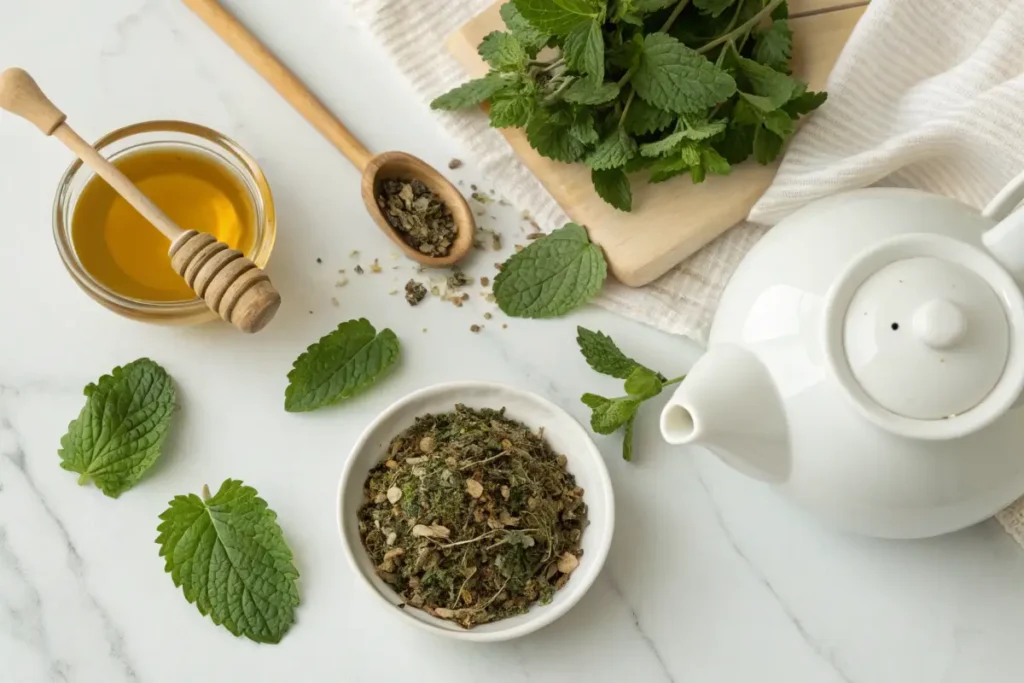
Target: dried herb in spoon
472, 517
418, 214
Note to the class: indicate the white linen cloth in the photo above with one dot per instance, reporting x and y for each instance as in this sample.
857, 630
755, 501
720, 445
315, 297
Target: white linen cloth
926, 94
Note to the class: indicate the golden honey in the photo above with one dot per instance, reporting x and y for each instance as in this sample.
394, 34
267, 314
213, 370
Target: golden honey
125, 254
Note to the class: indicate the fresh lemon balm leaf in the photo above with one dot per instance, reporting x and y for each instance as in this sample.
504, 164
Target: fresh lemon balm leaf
121, 430
602, 354
228, 555
552, 276
470, 94
613, 186
679, 79
340, 365
503, 52
560, 16
584, 50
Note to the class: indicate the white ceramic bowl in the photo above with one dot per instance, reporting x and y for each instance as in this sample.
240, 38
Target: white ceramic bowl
565, 435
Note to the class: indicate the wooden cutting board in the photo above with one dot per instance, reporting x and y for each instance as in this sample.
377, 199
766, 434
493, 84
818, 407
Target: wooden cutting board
670, 220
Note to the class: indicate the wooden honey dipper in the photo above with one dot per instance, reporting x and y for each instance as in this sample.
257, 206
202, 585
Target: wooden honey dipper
230, 284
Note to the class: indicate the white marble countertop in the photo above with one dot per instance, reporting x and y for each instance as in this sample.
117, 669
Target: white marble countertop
711, 577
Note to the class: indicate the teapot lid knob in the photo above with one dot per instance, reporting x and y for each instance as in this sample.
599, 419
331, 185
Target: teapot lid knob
919, 333
940, 324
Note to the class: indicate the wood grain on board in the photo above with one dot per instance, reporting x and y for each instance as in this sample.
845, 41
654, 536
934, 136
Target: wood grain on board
672, 220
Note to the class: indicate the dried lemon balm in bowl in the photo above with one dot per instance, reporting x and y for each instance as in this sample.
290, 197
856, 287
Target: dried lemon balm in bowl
119, 248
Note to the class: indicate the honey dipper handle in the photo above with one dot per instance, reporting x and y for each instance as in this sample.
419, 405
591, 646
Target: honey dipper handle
119, 181
20, 94
287, 84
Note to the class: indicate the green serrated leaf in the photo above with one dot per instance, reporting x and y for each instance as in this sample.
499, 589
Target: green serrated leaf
668, 167
612, 414
653, 5
119, 433
713, 7
613, 186
528, 36
603, 355
643, 383
690, 154
627, 440
804, 103
583, 50
701, 130
583, 128
503, 52
643, 119
738, 143
673, 77
758, 103
767, 82
340, 365
511, 108
767, 146
779, 123
560, 17
550, 134
552, 276
470, 94
593, 400
228, 555
612, 152
714, 162
774, 45
586, 91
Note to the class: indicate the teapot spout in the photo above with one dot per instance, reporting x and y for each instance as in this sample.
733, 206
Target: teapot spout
729, 405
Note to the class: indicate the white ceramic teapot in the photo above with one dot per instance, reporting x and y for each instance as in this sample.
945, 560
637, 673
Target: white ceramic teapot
866, 358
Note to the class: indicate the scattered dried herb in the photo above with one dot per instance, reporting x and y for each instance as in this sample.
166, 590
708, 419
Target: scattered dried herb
472, 517
457, 279
474, 328
481, 198
454, 164
359, 269
414, 292
419, 216
319, 260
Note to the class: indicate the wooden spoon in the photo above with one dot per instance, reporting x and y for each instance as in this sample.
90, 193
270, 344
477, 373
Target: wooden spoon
232, 285
376, 169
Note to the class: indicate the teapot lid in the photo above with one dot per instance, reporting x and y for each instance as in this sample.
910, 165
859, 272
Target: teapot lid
920, 332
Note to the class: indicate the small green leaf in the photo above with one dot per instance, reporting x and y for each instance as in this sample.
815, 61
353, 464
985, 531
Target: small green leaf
647, 6
612, 185
470, 94
612, 414
550, 134
767, 82
713, 7
643, 384
583, 49
551, 276
603, 355
757, 103
738, 143
560, 16
779, 123
627, 440
612, 152
666, 168
120, 432
229, 557
804, 103
702, 130
774, 45
767, 146
676, 78
503, 52
340, 365
511, 108
643, 119
593, 400
583, 129
586, 91
714, 162
528, 36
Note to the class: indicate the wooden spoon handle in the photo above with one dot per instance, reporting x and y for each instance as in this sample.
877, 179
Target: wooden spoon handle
287, 84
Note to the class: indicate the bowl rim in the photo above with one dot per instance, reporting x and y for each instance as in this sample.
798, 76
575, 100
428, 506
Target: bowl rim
595, 556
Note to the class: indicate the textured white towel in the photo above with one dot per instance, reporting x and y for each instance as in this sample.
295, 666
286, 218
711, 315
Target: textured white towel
927, 94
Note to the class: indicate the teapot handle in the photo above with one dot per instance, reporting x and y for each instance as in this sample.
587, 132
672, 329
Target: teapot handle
1005, 241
